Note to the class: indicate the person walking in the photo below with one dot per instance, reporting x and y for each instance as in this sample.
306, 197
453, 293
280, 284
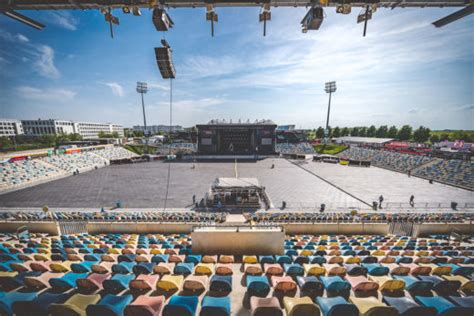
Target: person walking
412, 200
380, 201
194, 198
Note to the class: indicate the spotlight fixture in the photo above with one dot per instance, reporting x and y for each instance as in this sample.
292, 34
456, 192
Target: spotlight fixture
343, 9
110, 19
161, 20
126, 10
136, 11
264, 16
164, 60
313, 19
212, 16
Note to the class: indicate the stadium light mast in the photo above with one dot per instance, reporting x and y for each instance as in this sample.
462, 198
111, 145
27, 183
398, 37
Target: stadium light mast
330, 87
142, 88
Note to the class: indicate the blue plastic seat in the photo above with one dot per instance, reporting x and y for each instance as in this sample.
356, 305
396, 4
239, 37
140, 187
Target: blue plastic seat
266, 259
160, 258
110, 305
336, 286
257, 286
414, 285
181, 305
123, 267
443, 306
39, 306
215, 306
92, 257
8, 299
294, 269
183, 268
129, 257
283, 259
441, 286
459, 270
317, 260
310, 286
376, 269
67, 281
82, 267
221, 283
144, 268
355, 269
408, 307
118, 283
336, 306
195, 259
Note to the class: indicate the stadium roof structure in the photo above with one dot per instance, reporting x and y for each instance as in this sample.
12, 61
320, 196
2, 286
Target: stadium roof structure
248, 122
311, 21
363, 140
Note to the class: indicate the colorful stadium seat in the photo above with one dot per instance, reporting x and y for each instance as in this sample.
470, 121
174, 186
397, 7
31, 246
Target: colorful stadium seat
145, 306
110, 305
265, 306
336, 306
181, 305
215, 306
408, 307
76, 305
300, 306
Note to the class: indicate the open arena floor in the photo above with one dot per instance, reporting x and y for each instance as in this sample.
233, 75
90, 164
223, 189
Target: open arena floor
143, 185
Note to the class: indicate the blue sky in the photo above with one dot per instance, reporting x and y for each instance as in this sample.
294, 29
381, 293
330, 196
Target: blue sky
405, 71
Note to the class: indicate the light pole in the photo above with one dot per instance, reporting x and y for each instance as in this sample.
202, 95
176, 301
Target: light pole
142, 88
330, 87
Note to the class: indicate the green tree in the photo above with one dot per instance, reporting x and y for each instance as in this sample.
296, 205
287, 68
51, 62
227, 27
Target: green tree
421, 134
115, 135
320, 132
336, 132
392, 132
382, 131
345, 131
434, 138
48, 140
371, 131
75, 137
5, 143
363, 131
355, 131
138, 134
405, 132
101, 134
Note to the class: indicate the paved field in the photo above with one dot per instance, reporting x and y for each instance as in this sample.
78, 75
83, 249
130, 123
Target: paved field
143, 185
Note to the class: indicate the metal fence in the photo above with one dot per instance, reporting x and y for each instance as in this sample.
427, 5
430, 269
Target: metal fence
72, 227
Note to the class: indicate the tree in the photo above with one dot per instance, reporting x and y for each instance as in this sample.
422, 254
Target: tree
320, 132
75, 137
363, 131
336, 132
48, 140
138, 134
392, 132
405, 132
101, 134
5, 143
422, 134
382, 131
434, 138
355, 131
115, 135
372, 131
345, 131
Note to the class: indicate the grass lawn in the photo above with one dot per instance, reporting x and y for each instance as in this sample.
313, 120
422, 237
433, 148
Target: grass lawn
329, 149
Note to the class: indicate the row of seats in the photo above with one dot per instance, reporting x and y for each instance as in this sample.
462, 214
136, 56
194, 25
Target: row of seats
24, 172
330, 217
455, 172
295, 149
75, 161
115, 153
118, 216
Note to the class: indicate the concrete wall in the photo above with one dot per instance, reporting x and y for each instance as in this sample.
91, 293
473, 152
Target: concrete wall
432, 229
34, 227
334, 228
248, 242
138, 228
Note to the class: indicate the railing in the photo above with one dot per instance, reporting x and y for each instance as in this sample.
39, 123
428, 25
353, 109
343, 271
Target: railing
238, 227
72, 227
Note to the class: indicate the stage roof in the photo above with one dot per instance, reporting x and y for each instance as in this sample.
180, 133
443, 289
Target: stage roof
227, 183
97, 4
365, 140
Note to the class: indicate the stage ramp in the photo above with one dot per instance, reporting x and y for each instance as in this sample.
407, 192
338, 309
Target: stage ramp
238, 240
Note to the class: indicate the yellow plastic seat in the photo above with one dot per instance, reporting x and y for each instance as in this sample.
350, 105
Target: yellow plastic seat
250, 259
371, 306
300, 306
437, 270
314, 269
352, 260
204, 269
64, 266
156, 251
75, 306
387, 284
113, 251
306, 253
170, 282
467, 286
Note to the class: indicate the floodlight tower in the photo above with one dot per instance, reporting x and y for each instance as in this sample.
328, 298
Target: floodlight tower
330, 87
142, 88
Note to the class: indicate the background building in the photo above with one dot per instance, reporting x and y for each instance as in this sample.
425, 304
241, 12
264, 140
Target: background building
156, 129
10, 127
87, 130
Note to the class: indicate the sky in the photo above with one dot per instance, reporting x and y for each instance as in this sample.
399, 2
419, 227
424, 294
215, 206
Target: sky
405, 71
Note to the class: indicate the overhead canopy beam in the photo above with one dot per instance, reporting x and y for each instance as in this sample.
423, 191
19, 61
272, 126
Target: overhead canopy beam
23, 19
454, 16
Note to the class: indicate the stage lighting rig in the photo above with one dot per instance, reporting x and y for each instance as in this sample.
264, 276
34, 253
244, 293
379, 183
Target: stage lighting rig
212, 16
164, 60
107, 12
343, 8
365, 16
23, 19
136, 11
264, 16
313, 19
126, 10
161, 20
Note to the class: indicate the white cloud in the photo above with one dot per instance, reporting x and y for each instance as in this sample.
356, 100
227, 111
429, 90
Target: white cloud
159, 86
64, 20
116, 88
51, 95
44, 63
23, 38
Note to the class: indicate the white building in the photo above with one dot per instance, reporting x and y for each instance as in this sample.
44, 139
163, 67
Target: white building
10, 127
87, 130
156, 129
